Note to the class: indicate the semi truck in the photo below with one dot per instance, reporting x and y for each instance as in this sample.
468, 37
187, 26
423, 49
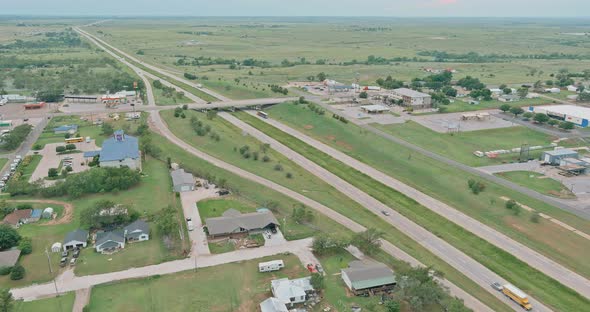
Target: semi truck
517, 296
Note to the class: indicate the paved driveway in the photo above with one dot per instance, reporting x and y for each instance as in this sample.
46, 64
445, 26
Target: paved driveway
189, 206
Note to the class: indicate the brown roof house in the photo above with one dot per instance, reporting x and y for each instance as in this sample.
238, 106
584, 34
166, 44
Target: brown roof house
18, 217
235, 222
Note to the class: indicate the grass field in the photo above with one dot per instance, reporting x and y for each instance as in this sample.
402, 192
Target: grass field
538, 182
163, 100
229, 287
3, 162
65, 302
85, 129
497, 260
261, 195
460, 146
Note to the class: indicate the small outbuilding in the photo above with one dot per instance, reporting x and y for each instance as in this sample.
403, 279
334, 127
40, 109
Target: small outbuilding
364, 278
35, 215
182, 181
47, 213
76, 239
56, 247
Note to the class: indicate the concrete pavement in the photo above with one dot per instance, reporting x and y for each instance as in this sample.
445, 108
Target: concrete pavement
439, 247
197, 236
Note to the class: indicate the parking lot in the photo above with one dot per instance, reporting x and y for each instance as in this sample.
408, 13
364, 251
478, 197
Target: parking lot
444, 122
50, 159
355, 112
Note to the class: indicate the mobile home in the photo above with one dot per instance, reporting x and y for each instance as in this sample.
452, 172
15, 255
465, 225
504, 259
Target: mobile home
270, 266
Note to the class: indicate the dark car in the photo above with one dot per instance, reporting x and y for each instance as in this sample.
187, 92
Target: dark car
273, 230
63, 262
76, 253
65, 253
223, 192
188, 219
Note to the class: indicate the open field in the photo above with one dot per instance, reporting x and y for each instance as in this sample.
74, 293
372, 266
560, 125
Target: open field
502, 263
65, 302
260, 195
460, 146
538, 182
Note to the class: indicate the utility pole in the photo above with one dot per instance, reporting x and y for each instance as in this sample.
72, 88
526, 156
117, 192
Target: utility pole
53, 276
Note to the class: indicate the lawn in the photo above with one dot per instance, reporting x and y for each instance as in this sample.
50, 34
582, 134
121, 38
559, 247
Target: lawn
85, 129
211, 208
65, 302
499, 261
538, 182
164, 100
28, 170
255, 193
228, 287
460, 146
3, 162
153, 194
461, 106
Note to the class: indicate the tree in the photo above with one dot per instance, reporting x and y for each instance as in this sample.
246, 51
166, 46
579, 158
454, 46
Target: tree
363, 95
6, 300
26, 245
505, 107
60, 149
322, 76
392, 306
541, 118
522, 92
528, 115
107, 129
449, 91
9, 237
106, 214
535, 218
17, 273
16, 137
368, 241
324, 244
317, 281
52, 172
583, 97
507, 90
553, 122
510, 204
516, 111
566, 125
70, 147
302, 214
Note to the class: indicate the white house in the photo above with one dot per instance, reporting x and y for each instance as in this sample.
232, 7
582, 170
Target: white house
273, 304
120, 150
291, 291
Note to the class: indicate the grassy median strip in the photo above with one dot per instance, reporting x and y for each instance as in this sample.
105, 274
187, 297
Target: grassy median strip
253, 191
506, 265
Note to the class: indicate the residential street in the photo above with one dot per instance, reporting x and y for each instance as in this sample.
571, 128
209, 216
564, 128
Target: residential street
527, 255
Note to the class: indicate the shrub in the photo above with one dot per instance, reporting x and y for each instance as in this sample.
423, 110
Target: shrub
184, 107
69, 168
52, 172
37, 147
60, 149
289, 175
5, 270
70, 147
535, 218
26, 246
265, 158
511, 204
17, 273
182, 116
24, 206
278, 167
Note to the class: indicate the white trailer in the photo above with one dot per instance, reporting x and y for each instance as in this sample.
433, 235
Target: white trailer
270, 266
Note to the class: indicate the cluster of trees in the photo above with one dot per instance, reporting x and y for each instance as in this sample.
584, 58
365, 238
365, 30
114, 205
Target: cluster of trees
341, 118
471, 83
16, 137
9, 237
67, 38
474, 57
538, 118
202, 129
278, 89
390, 83
190, 76
476, 187
167, 221
106, 214
62, 149
368, 242
302, 214
168, 92
316, 109
247, 152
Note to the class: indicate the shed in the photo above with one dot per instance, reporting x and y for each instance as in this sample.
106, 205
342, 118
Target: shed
291, 291
47, 213
182, 181
56, 247
36, 215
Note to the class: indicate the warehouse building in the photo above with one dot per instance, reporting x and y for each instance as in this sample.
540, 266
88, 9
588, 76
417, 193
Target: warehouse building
577, 115
412, 98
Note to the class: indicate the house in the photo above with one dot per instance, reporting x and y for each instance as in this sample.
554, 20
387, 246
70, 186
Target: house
76, 239
413, 98
273, 304
120, 150
374, 109
182, 181
293, 291
18, 217
555, 157
496, 91
8, 258
572, 88
36, 215
137, 231
364, 278
69, 129
110, 241
508, 98
233, 222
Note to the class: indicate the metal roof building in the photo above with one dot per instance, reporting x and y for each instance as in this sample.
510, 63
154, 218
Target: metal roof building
234, 222
120, 150
182, 181
576, 114
361, 276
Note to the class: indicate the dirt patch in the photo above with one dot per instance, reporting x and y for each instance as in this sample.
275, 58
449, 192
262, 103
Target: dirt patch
308, 127
331, 137
345, 145
67, 215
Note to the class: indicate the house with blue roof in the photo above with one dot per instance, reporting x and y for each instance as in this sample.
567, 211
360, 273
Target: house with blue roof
120, 150
69, 129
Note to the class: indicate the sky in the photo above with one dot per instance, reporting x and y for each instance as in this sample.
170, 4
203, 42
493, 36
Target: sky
398, 8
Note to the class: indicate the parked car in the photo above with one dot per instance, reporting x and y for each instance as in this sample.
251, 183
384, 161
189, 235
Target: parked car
497, 286
65, 253
73, 262
188, 219
63, 262
76, 253
319, 268
223, 192
385, 212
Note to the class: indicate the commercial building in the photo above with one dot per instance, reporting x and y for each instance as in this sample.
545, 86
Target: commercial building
182, 181
374, 109
413, 98
363, 278
120, 150
233, 222
555, 157
577, 115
